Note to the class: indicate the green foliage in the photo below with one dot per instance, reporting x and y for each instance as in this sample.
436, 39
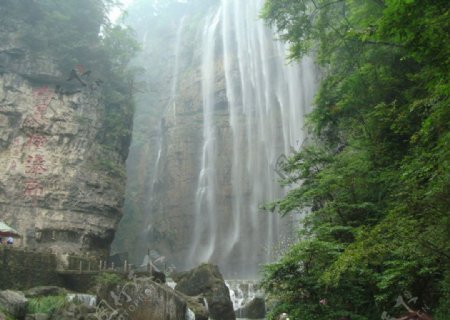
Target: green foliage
108, 279
377, 179
47, 305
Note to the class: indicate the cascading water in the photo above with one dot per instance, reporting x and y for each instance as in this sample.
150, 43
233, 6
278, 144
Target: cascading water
242, 292
190, 315
229, 105
87, 299
152, 185
267, 102
204, 242
171, 108
176, 69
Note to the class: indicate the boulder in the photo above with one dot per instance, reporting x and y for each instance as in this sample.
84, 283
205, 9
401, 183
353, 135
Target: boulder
44, 291
207, 280
198, 305
14, 303
140, 299
254, 309
157, 275
73, 311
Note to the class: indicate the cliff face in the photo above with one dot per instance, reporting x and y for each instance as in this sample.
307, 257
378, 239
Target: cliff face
170, 219
60, 186
166, 150
229, 109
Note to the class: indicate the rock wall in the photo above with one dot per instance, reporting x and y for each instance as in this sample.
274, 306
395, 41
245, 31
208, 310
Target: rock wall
24, 269
228, 108
61, 187
165, 155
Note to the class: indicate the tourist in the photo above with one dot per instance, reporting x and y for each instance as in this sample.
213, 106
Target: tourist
10, 241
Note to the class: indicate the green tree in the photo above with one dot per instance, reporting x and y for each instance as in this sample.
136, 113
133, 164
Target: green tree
377, 177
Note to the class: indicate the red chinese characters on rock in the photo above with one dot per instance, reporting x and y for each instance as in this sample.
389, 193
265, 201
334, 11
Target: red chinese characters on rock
36, 141
41, 97
35, 165
33, 188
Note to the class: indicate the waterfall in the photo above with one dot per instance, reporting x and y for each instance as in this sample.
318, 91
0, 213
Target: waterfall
176, 67
204, 242
242, 292
190, 315
171, 108
156, 176
267, 102
87, 299
229, 105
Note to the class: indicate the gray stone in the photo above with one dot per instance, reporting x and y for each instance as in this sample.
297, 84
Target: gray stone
207, 280
60, 185
72, 311
43, 291
141, 298
37, 316
197, 305
14, 303
254, 309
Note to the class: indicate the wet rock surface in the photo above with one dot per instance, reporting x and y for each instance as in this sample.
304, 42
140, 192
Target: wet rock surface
140, 299
254, 309
207, 280
198, 305
14, 303
43, 291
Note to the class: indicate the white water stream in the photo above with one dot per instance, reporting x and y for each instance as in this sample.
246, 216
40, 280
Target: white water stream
267, 103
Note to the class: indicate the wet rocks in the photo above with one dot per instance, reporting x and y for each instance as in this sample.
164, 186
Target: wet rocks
73, 311
254, 309
44, 291
207, 280
198, 306
140, 299
14, 303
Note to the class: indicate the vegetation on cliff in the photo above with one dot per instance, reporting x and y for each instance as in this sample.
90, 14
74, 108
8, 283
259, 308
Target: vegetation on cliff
77, 35
377, 178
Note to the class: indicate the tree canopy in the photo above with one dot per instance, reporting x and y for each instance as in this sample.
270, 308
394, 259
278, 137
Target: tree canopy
377, 177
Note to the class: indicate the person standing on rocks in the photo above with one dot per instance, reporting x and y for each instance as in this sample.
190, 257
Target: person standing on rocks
10, 241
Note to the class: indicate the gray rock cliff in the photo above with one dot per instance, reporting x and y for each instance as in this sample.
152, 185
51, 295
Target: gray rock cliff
61, 186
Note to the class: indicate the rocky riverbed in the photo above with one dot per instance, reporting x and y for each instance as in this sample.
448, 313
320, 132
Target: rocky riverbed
199, 294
